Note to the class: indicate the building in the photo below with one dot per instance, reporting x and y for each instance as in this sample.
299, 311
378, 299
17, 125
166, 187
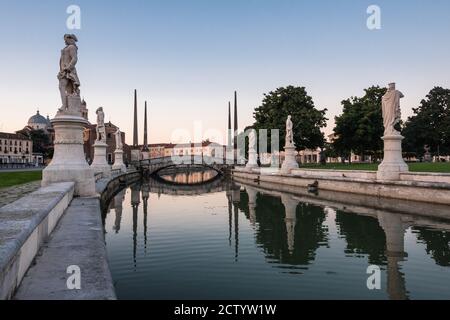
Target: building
206, 148
90, 135
17, 149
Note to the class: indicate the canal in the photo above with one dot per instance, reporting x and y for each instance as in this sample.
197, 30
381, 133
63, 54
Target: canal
216, 239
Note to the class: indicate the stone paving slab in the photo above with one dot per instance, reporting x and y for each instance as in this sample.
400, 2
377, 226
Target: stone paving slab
77, 240
11, 194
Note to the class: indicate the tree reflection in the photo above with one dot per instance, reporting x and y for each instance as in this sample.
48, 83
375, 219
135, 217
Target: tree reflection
363, 235
437, 244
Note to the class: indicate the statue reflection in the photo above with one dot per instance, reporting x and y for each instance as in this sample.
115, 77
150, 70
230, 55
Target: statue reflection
118, 206
252, 194
394, 229
290, 207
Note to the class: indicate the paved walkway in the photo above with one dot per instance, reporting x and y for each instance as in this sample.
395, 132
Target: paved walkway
77, 240
11, 194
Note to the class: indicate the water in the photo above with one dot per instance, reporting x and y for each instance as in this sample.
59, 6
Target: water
230, 241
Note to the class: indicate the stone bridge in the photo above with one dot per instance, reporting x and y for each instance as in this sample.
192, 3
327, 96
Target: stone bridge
153, 166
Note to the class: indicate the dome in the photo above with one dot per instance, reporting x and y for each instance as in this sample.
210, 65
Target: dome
38, 122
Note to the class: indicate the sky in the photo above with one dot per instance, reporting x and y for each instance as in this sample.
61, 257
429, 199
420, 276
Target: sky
186, 57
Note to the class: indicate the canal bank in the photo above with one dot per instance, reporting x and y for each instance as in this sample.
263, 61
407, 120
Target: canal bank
46, 234
431, 188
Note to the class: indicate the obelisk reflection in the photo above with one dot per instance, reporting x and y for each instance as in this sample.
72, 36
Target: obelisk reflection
145, 197
394, 229
236, 198
135, 201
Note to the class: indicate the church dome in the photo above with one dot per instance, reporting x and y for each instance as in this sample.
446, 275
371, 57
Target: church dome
38, 122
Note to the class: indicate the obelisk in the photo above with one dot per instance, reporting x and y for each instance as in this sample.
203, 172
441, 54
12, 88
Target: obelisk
145, 149
135, 152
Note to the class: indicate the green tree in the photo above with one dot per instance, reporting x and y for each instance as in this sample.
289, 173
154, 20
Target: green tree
41, 142
307, 120
360, 126
430, 124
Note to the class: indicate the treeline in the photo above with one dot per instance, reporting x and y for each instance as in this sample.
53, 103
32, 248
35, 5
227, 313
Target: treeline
359, 127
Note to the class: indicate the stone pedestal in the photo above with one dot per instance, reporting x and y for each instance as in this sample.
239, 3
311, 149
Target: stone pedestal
393, 163
118, 161
289, 162
252, 160
99, 164
69, 162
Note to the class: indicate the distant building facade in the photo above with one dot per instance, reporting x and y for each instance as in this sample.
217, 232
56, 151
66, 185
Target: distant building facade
90, 135
17, 149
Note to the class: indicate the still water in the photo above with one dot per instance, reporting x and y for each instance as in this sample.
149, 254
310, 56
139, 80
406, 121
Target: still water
224, 240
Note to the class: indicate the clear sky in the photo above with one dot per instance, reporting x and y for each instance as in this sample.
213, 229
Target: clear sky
186, 57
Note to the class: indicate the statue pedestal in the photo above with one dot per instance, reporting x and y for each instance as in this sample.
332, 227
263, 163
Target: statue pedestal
252, 160
289, 162
69, 163
99, 164
118, 161
393, 163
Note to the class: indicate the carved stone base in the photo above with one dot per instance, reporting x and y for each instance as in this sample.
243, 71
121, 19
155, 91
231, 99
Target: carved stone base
289, 160
69, 163
393, 163
118, 161
99, 164
252, 159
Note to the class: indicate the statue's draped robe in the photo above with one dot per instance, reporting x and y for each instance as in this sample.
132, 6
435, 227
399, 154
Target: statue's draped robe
391, 111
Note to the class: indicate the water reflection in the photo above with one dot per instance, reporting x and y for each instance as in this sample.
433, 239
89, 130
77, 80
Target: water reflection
189, 175
312, 250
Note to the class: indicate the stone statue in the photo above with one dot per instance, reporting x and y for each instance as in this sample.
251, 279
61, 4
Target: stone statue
118, 134
101, 131
68, 78
391, 110
289, 132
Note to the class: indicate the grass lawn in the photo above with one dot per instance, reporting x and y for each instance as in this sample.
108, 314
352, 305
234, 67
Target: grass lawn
443, 167
8, 179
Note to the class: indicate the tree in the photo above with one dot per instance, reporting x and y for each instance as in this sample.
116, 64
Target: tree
41, 142
430, 124
360, 126
307, 120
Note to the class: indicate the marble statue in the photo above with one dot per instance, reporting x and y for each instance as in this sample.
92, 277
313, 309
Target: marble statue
391, 110
289, 132
101, 131
118, 134
68, 78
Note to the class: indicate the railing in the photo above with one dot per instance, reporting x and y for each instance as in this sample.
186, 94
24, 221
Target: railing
186, 159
